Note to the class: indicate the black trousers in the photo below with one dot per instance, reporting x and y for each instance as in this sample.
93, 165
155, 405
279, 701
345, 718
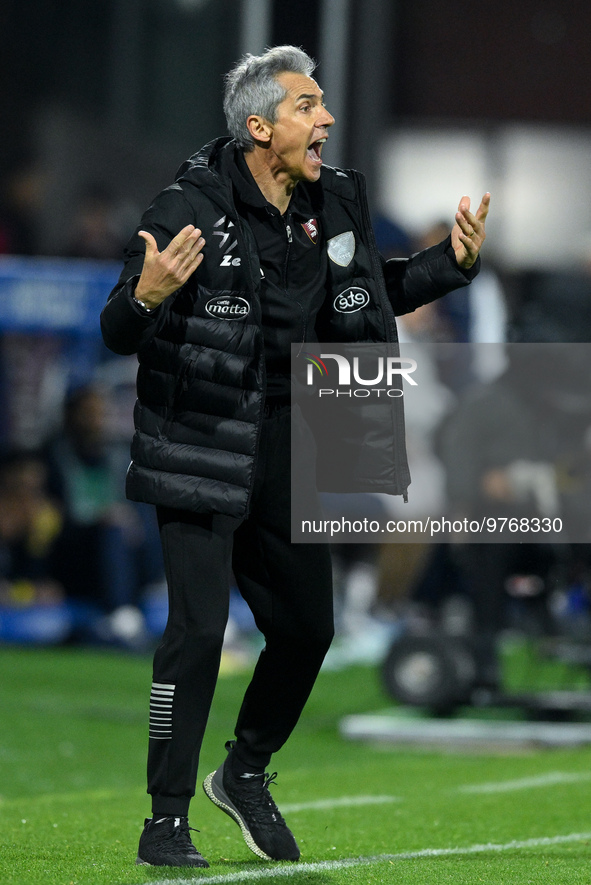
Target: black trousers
289, 590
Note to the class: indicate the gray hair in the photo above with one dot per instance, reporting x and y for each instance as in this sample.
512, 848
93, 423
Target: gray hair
252, 88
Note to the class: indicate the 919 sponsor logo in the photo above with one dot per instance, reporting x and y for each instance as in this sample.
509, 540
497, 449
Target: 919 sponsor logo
351, 300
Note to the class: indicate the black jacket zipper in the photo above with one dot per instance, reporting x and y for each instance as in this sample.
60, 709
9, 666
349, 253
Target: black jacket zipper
289, 236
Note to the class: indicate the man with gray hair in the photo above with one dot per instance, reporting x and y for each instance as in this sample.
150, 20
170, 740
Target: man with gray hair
233, 262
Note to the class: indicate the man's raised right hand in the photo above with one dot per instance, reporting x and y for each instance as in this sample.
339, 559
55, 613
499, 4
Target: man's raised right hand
165, 272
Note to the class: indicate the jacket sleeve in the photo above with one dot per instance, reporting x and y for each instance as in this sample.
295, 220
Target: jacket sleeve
426, 276
126, 327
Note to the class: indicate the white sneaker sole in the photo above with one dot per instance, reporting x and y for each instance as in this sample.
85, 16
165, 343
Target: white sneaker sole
225, 804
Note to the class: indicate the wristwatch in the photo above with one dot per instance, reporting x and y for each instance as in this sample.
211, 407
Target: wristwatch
142, 304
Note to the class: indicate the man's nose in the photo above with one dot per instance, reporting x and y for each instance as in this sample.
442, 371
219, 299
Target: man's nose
325, 118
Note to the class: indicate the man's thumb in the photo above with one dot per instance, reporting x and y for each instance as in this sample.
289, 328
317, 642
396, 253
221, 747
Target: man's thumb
151, 244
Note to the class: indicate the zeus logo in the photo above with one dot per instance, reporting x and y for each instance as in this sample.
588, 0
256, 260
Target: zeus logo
387, 368
224, 234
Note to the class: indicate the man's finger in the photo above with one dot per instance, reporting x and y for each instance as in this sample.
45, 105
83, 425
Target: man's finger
464, 204
181, 238
193, 243
189, 251
195, 262
482, 210
466, 222
151, 244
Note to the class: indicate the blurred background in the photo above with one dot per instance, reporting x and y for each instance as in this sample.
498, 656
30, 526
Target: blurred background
100, 101
100, 104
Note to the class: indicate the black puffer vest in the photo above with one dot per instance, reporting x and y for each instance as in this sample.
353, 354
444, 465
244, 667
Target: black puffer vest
201, 379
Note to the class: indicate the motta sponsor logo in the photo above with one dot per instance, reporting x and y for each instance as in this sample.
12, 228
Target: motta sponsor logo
351, 300
228, 307
376, 378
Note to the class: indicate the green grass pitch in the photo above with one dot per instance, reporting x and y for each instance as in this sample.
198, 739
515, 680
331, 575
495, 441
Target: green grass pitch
72, 794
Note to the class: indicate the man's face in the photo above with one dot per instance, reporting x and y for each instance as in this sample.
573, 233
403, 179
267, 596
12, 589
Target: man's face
300, 129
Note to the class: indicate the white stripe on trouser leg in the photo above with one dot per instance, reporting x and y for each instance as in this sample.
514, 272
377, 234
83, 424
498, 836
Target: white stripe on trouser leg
161, 698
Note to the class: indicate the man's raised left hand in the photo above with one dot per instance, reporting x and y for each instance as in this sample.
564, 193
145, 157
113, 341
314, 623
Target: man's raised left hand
468, 233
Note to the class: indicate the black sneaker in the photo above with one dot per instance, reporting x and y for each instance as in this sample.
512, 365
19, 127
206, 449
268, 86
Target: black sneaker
165, 842
247, 800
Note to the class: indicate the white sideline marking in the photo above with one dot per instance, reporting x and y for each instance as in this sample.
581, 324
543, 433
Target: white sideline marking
527, 783
341, 802
328, 865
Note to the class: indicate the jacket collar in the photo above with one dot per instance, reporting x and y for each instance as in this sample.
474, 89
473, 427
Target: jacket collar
306, 201
223, 159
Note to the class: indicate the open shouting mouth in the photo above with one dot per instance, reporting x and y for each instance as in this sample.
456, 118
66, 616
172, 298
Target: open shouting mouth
315, 151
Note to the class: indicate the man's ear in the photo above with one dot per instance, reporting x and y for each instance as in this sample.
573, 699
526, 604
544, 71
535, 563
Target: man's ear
260, 129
